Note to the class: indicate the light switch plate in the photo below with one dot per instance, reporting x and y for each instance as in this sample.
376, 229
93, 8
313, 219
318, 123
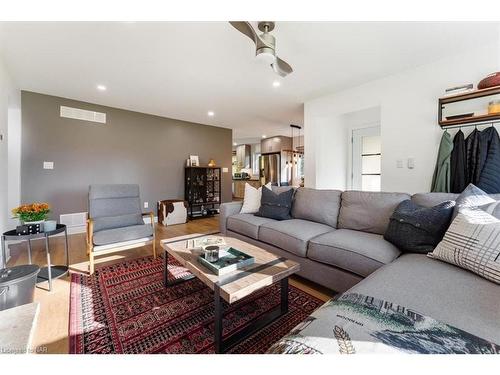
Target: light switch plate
146, 204
411, 163
225, 170
48, 165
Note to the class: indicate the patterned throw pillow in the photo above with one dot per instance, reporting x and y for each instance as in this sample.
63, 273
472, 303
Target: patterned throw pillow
472, 196
472, 242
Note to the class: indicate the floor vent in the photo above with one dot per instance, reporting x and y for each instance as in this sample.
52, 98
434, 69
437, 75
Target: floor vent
82, 114
73, 220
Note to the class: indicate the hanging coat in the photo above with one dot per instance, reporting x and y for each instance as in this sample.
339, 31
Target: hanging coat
458, 160
441, 178
475, 162
489, 180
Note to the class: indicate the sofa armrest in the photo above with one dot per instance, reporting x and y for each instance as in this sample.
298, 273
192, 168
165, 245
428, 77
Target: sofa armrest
226, 210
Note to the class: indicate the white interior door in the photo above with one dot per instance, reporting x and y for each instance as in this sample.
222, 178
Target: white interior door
366, 159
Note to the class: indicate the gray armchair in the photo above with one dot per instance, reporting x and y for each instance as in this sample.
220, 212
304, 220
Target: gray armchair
116, 221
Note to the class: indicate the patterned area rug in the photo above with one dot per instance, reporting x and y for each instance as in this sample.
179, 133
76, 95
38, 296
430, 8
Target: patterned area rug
124, 308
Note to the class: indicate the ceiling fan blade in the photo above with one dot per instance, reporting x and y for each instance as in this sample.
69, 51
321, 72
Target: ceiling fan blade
281, 67
245, 28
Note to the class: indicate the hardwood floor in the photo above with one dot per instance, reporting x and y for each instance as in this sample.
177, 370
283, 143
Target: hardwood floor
51, 334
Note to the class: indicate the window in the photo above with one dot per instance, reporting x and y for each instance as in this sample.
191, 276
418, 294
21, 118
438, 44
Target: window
366, 159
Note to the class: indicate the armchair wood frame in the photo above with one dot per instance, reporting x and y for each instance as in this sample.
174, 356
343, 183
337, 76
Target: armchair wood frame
90, 243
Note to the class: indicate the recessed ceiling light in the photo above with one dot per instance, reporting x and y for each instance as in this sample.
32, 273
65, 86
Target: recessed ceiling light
235, 144
211, 113
101, 87
264, 136
276, 84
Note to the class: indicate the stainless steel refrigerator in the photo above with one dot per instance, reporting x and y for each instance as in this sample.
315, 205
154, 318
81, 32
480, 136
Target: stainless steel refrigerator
270, 168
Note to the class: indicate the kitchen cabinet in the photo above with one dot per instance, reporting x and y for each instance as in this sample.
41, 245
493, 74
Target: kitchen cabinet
275, 144
244, 156
239, 187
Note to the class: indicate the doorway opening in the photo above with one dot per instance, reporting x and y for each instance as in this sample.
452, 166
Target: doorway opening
366, 159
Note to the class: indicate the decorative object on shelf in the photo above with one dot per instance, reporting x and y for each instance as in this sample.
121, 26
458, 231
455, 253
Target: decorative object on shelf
195, 161
32, 216
188, 162
460, 116
211, 163
491, 80
172, 212
494, 107
202, 190
459, 89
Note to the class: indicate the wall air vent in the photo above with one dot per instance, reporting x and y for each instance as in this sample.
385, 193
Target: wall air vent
82, 114
74, 219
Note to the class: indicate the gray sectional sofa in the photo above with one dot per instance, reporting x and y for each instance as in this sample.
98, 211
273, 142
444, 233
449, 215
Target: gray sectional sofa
337, 237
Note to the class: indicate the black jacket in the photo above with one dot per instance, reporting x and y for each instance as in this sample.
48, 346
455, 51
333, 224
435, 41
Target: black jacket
459, 176
474, 165
489, 180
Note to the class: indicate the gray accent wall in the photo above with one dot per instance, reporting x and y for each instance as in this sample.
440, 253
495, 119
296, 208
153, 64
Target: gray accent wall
131, 147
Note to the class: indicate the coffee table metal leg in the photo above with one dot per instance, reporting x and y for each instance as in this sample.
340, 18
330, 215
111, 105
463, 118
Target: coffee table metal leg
66, 248
165, 268
219, 316
3, 255
49, 268
284, 295
221, 346
29, 251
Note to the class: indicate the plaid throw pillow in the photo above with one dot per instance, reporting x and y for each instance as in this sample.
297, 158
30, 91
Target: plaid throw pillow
472, 242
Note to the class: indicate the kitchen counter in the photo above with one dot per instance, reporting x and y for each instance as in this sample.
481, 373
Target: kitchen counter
239, 186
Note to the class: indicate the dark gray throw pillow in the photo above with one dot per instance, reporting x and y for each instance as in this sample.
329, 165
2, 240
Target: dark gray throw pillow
276, 206
417, 229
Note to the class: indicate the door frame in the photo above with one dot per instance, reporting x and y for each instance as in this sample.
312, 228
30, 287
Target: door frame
372, 128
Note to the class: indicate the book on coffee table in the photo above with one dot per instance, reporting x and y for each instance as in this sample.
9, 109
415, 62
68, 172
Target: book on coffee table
229, 260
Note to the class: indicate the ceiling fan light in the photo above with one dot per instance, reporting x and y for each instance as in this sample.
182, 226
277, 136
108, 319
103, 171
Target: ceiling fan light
265, 55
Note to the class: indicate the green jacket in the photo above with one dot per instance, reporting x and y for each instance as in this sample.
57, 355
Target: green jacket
441, 178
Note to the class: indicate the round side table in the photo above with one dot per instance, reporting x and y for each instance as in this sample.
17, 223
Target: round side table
50, 271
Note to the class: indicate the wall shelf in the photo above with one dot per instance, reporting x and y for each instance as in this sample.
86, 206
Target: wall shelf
471, 95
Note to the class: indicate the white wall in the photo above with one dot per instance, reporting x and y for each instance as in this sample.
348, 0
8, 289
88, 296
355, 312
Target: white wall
408, 105
10, 146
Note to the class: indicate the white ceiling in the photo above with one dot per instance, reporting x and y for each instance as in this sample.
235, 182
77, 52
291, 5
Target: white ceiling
184, 69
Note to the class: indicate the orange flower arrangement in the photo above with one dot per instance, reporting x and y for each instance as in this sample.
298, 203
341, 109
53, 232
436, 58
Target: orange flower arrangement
31, 212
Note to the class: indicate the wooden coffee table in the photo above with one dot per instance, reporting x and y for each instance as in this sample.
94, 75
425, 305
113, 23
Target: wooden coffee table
267, 270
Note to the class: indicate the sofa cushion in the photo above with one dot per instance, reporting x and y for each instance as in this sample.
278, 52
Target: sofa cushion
247, 224
292, 235
472, 196
321, 206
432, 199
114, 200
132, 232
368, 211
473, 243
439, 290
276, 205
418, 229
354, 251
111, 222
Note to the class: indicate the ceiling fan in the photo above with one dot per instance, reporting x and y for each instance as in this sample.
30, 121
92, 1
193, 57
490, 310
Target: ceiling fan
265, 44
